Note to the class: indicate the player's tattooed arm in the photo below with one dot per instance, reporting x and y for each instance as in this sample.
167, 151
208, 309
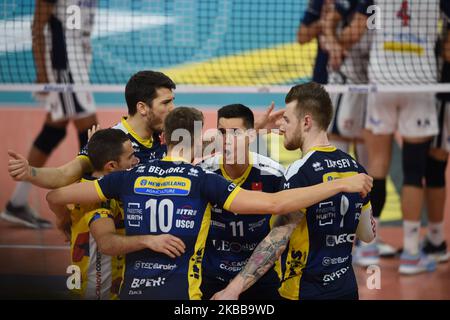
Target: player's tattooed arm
264, 256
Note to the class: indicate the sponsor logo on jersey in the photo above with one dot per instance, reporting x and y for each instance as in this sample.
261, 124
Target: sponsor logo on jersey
236, 247
147, 282
325, 213
334, 240
153, 266
188, 211
140, 169
233, 266
134, 214
218, 224
327, 261
193, 172
258, 224
162, 186
317, 166
184, 224
327, 278
231, 187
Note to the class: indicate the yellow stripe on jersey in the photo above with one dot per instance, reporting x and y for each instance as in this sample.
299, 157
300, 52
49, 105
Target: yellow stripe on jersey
195, 262
366, 206
239, 180
297, 256
86, 158
145, 142
404, 47
230, 198
99, 191
323, 149
174, 159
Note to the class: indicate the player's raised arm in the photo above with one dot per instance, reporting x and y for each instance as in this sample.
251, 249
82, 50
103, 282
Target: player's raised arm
331, 44
46, 177
354, 31
286, 201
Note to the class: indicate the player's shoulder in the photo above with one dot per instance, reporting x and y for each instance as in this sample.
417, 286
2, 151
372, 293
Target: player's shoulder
210, 163
353, 163
267, 165
120, 126
295, 167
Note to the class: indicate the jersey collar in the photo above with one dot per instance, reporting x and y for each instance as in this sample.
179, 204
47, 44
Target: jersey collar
239, 180
148, 143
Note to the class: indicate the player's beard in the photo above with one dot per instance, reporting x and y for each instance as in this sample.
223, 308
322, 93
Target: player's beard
295, 142
155, 124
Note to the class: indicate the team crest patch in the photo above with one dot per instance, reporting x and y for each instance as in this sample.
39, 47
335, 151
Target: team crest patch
162, 186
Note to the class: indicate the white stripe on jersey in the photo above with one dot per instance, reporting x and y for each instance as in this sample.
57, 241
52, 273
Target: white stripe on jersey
260, 162
295, 167
99, 274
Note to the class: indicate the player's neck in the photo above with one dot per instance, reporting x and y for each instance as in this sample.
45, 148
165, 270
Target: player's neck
236, 170
139, 127
318, 140
99, 174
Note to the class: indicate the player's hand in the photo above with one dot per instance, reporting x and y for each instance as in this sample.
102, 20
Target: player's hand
91, 131
225, 294
361, 183
269, 119
18, 166
167, 244
336, 56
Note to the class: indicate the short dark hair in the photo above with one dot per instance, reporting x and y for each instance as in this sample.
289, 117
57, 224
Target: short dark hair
142, 87
237, 111
181, 118
106, 145
312, 98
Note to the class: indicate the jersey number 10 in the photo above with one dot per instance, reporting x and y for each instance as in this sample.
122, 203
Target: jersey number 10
160, 215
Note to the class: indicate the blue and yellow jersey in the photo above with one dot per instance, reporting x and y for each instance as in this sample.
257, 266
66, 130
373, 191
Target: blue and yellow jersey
101, 275
318, 263
232, 238
166, 196
144, 149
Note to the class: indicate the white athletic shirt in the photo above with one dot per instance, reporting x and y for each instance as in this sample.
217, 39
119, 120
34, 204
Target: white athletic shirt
403, 48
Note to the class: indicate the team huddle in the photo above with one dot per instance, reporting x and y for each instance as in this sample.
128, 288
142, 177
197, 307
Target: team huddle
161, 228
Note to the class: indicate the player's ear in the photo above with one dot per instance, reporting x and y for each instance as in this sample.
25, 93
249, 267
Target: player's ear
163, 138
141, 108
111, 166
307, 122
